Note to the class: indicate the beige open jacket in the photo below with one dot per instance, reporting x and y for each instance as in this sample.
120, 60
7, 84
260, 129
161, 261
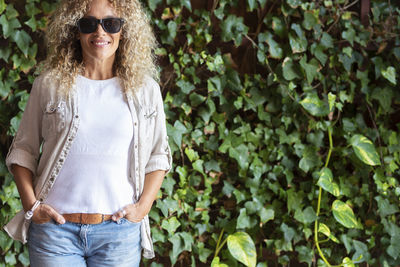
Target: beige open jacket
49, 124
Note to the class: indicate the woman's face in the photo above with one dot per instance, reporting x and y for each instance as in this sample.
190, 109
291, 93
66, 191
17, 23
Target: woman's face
100, 46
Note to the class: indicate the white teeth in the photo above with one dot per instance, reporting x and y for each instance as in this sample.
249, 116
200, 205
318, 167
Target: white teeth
100, 43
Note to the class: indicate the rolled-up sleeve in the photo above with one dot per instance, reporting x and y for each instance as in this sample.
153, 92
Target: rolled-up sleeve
25, 148
160, 158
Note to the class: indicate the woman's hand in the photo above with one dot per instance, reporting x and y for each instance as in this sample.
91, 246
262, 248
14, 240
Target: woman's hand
133, 212
44, 213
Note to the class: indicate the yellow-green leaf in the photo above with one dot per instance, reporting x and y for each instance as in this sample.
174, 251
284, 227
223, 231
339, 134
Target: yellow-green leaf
324, 229
2, 6
216, 263
344, 214
314, 105
390, 74
326, 182
347, 262
242, 247
365, 150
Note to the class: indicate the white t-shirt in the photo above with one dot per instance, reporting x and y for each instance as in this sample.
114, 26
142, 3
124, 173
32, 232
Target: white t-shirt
94, 177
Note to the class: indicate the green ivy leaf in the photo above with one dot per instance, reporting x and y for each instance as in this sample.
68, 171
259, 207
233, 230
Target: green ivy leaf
297, 43
32, 23
11, 12
171, 225
306, 255
5, 241
185, 86
326, 40
252, 4
394, 248
4, 89
172, 28
31, 10
314, 105
24, 258
177, 247
310, 20
9, 26
10, 258
176, 132
384, 207
324, 229
22, 39
5, 53
196, 99
305, 216
311, 68
349, 35
242, 248
385, 96
390, 74
294, 3
326, 182
153, 4
275, 49
365, 150
361, 254
344, 214
243, 220
278, 25
187, 4
233, 28
241, 154
266, 215
290, 70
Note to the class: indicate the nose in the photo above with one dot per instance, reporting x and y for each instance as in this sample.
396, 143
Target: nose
100, 29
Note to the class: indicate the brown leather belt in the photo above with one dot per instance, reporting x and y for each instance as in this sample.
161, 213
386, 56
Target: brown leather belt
87, 218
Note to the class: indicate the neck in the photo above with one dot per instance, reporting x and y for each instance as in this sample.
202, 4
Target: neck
99, 69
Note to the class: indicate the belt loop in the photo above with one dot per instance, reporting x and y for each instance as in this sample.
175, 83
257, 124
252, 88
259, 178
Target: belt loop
102, 217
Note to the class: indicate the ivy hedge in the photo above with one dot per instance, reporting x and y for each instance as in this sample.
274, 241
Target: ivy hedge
284, 119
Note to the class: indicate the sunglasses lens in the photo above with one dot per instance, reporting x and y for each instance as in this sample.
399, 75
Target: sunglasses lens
112, 25
87, 25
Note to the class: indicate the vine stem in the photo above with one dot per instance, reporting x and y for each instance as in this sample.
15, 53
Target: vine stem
319, 200
219, 246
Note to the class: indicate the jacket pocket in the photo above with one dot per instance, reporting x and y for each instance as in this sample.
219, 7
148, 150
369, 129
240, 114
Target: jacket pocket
149, 122
53, 119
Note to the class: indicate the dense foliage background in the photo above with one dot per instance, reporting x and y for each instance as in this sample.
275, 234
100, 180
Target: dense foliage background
280, 113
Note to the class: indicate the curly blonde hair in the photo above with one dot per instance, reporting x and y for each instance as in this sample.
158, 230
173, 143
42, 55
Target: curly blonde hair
134, 57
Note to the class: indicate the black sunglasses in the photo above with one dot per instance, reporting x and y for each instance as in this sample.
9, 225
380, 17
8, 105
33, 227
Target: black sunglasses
110, 25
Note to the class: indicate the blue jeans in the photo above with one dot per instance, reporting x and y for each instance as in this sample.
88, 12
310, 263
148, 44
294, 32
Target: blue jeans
80, 245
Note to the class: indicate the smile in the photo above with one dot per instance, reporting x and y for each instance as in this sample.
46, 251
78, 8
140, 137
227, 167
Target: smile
100, 43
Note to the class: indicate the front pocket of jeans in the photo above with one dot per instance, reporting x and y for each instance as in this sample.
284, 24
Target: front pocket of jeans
39, 224
130, 222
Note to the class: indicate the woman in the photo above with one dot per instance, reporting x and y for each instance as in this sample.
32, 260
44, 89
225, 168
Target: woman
91, 150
